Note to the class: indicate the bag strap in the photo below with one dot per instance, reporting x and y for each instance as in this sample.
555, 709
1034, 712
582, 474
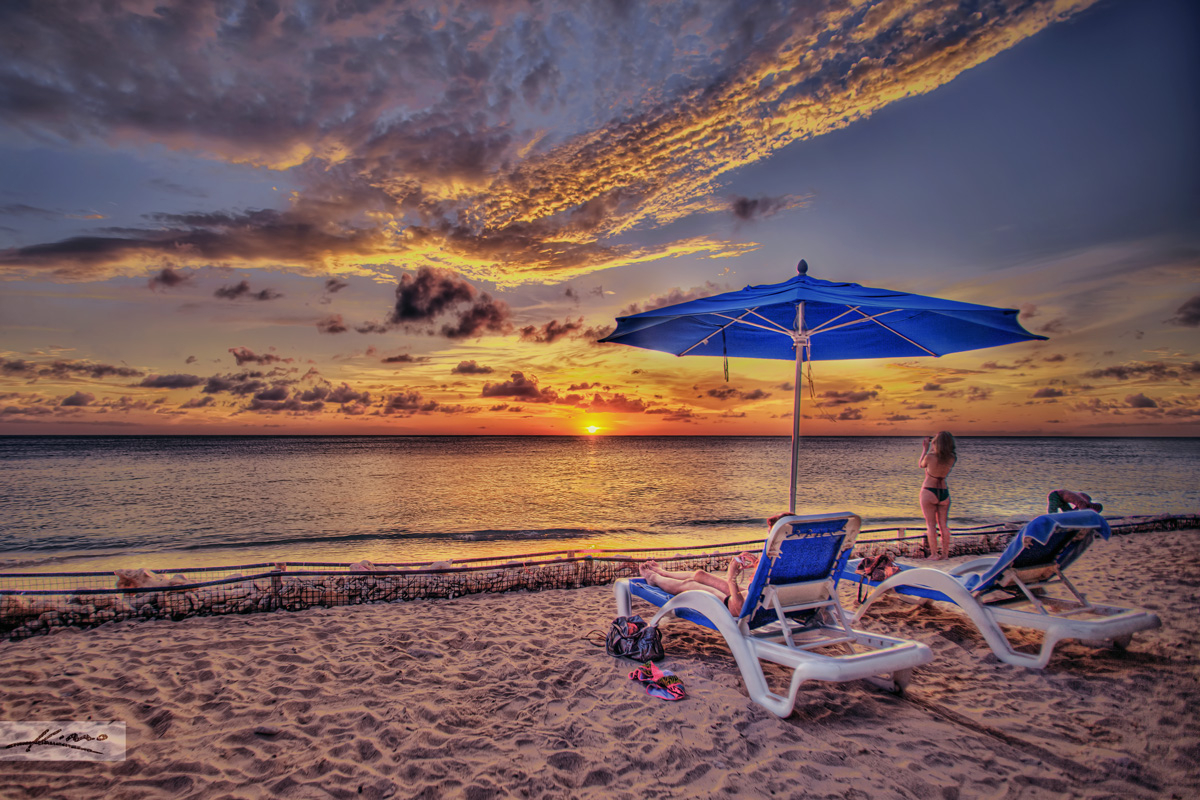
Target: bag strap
587, 637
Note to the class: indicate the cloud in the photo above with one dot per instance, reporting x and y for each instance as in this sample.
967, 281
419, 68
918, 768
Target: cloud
1048, 391
404, 358
471, 368
244, 355
168, 278
477, 136
78, 399
975, 393
242, 384
674, 296
1140, 401
199, 402
1150, 370
836, 398
521, 388
332, 324
617, 403
242, 289
747, 209
437, 293
551, 332
1188, 314
172, 381
60, 368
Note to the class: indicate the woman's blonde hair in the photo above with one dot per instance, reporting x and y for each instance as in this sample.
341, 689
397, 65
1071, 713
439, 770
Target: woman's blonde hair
943, 446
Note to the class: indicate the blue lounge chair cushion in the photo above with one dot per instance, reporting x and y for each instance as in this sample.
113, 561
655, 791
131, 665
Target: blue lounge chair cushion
1041, 541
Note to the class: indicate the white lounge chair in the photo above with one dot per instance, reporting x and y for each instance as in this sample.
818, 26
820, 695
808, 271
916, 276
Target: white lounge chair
791, 615
1011, 589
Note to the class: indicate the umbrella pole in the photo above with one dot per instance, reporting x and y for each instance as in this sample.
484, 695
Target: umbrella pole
800, 340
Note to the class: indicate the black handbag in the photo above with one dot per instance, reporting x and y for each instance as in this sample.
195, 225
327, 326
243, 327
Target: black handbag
631, 637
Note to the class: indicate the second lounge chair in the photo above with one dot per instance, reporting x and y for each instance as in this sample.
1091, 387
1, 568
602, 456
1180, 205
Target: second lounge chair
1011, 589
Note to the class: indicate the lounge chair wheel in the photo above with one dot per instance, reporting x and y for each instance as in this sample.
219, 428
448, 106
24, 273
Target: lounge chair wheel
1122, 642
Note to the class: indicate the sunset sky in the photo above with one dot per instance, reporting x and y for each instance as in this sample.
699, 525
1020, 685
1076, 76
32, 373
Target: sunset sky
417, 218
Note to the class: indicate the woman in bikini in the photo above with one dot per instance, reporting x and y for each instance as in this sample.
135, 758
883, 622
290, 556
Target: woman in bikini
937, 459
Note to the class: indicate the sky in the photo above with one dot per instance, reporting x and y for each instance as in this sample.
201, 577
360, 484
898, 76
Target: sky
370, 217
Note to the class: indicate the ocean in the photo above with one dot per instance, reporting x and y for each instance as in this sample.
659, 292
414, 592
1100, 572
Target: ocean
91, 503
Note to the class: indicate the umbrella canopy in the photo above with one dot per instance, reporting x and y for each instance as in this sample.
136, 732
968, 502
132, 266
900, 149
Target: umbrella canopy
808, 319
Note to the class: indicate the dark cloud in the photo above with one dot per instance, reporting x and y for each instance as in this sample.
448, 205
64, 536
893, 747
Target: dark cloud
1140, 401
850, 414
1151, 370
404, 401
471, 368
244, 355
434, 293
617, 403
331, 324
995, 365
521, 388
335, 285
975, 393
172, 381
1048, 391
64, 368
404, 358
242, 384
242, 289
836, 398
552, 331
169, 278
78, 399
751, 208
199, 402
1188, 314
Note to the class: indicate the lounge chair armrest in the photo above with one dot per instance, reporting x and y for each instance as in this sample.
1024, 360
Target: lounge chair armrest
974, 565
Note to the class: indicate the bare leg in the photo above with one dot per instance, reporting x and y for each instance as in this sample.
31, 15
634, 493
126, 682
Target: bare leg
929, 508
943, 518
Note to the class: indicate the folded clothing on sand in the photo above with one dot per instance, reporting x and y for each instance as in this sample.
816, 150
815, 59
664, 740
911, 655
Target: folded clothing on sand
660, 683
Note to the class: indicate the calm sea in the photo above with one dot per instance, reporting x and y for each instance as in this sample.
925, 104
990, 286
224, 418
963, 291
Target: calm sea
85, 503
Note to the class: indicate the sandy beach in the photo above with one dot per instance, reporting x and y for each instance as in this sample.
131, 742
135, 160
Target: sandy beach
502, 696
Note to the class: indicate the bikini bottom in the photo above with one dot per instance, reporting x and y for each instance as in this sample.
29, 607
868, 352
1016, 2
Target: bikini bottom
941, 493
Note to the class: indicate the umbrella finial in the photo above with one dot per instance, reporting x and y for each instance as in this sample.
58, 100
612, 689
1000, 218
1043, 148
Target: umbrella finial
802, 267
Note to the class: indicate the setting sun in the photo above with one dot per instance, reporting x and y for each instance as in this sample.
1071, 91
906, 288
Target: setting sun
592, 429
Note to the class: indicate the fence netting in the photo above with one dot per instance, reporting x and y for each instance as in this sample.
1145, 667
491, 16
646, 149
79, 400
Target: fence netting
38, 603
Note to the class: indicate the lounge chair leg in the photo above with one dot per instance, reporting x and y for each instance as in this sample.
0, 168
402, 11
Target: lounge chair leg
1122, 642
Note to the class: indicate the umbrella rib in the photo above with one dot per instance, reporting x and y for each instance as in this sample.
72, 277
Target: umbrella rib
829, 326
732, 322
893, 330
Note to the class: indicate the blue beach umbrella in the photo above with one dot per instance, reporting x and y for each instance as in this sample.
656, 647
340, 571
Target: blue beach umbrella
808, 319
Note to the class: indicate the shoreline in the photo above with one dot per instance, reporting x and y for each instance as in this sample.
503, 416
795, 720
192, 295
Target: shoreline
499, 695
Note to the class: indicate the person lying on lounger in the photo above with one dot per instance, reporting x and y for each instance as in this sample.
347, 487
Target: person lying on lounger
726, 588
1065, 500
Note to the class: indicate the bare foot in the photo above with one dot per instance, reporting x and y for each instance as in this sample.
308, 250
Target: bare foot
647, 571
